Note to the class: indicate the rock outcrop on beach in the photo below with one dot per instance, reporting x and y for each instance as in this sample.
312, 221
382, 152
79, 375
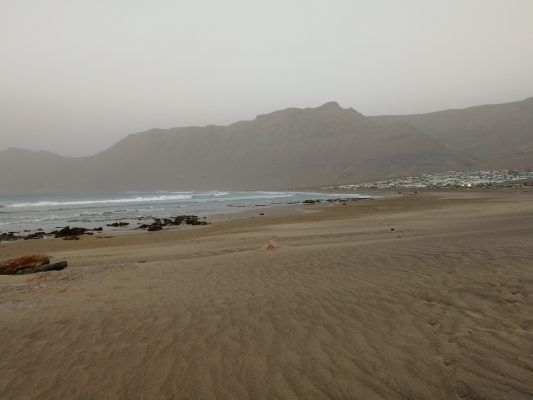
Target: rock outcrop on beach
287, 149
118, 224
159, 223
30, 265
67, 231
74, 233
9, 237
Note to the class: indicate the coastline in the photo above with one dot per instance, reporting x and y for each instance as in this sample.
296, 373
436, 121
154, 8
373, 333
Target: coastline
414, 296
70, 216
245, 219
388, 201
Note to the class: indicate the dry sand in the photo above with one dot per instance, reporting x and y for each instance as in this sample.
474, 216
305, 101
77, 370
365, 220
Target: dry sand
328, 305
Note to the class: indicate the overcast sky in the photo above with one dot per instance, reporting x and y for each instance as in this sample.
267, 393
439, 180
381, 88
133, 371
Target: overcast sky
76, 76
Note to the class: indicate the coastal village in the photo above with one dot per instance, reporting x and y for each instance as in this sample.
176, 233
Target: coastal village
451, 180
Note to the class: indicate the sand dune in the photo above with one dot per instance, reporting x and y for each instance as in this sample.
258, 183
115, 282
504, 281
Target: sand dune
418, 297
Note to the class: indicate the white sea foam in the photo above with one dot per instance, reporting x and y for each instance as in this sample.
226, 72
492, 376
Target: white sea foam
257, 197
138, 199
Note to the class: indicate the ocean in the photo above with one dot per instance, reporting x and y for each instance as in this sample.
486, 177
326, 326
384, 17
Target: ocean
25, 214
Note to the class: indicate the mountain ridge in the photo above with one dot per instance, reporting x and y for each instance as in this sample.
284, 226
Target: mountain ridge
488, 132
292, 148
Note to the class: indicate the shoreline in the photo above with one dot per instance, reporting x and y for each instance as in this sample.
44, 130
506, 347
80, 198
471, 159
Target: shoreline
251, 219
261, 215
121, 225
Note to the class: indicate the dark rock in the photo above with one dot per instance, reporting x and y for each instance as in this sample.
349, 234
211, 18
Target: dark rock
9, 237
184, 219
118, 224
36, 235
156, 226
55, 266
193, 220
30, 265
68, 231
180, 219
159, 224
310, 201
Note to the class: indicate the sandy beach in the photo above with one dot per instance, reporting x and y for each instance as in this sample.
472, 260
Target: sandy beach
426, 296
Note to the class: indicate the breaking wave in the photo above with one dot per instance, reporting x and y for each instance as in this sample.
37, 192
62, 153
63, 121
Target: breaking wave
138, 199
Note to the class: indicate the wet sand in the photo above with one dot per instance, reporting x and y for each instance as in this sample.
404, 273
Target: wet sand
426, 296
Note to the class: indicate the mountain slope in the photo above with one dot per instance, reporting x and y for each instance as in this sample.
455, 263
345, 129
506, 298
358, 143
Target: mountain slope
497, 136
288, 149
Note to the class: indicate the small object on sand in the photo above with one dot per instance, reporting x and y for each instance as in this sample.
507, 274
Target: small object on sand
392, 229
270, 246
261, 213
30, 265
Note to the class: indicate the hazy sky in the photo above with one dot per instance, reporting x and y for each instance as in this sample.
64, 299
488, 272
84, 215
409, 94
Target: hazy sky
76, 76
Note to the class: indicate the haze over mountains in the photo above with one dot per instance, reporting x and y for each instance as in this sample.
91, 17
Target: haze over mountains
287, 149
